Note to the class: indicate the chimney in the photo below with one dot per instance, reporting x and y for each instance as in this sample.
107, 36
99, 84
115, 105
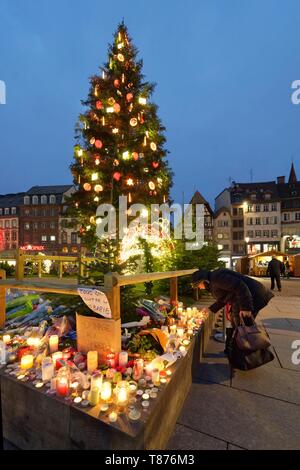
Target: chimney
280, 179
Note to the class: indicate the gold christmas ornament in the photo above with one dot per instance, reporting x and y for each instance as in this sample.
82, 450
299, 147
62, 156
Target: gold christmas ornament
129, 182
117, 108
121, 58
116, 162
151, 185
133, 122
153, 146
80, 153
111, 101
92, 140
98, 188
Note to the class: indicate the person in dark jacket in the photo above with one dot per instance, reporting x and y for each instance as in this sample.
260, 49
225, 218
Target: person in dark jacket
274, 270
245, 296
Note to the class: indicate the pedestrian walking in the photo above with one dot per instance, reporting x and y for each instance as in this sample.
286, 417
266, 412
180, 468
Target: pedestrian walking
274, 270
243, 296
287, 269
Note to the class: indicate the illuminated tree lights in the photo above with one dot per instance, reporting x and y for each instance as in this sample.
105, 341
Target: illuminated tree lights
120, 140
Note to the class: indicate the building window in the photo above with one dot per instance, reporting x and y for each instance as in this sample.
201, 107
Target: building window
257, 221
43, 199
226, 236
52, 225
26, 226
14, 236
7, 236
250, 221
240, 211
7, 224
266, 207
257, 208
250, 233
258, 233
266, 220
286, 216
74, 238
297, 216
274, 233
274, 207
220, 247
250, 208
234, 211
13, 211
43, 225
53, 212
35, 212
52, 199
26, 200
64, 237
35, 200
44, 238
35, 226
266, 233
1, 223
6, 211
52, 238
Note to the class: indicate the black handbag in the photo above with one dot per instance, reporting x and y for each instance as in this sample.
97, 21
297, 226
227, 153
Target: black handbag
244, 360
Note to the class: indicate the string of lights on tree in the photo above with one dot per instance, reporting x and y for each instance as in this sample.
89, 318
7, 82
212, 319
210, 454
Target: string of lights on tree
120, 139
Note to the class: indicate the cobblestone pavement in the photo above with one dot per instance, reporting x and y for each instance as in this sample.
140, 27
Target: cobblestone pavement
259, 409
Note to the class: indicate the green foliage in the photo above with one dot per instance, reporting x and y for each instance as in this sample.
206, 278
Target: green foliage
10, 270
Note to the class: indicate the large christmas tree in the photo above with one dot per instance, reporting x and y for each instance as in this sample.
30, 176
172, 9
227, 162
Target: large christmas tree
120, 145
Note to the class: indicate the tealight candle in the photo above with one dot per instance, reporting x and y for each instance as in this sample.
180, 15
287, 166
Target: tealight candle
105, 391
27, 361
168, 372
6, 339
180, 310
92, 361
77, 400
123, 358
163, 380
47, 369
145, 396
53, 343
132, 386
113, 417
181, 348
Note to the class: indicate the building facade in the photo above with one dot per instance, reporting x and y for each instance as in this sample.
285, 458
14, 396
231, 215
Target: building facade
208, 216
222, 235
9, 221
41, 215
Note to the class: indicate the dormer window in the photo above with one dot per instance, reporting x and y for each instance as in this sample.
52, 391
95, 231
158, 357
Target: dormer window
35, 200
52, 199
267, 196
43, 199
26, 200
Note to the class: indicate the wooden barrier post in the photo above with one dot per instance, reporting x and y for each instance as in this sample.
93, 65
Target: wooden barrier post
174, 290
113, 295
40, 268
2, 299
60, 269
19, 265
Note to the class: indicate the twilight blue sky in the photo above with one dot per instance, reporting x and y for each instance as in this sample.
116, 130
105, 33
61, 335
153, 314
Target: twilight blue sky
223, 70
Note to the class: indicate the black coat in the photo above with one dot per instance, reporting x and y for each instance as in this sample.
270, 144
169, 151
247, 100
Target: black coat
240, 291
274, 267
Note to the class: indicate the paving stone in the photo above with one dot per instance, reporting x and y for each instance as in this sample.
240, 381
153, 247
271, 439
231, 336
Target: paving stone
248, 420
285, 358
232, 447
185, 438
270, 381
215, 366
279, 325
283, 341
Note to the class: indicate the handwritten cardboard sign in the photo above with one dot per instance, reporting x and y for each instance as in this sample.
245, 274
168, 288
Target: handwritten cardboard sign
96, 301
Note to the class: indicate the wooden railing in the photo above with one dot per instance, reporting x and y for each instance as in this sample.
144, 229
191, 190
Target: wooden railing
112, 284
21, 258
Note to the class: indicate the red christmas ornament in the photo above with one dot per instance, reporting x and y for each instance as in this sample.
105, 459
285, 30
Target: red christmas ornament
98, 144
135, 156
117, 83
99, 104
155, 164
117, 176
142, 119
129, 97
117, 108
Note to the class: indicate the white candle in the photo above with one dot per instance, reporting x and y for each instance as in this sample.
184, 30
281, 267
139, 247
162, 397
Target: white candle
113, 417
47, 369
148, 370
2, 353
123, 358
96, 381
180, 332
94, 396
173, 329
53, 343
92, 361
180, 310
6, 339
56, 356
27, 361
106, 391
155, 376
